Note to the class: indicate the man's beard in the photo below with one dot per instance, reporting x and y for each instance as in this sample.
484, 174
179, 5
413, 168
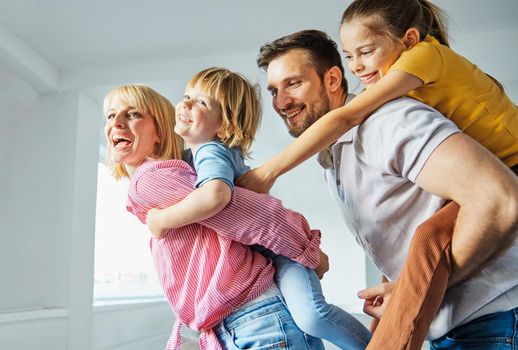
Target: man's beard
313, 113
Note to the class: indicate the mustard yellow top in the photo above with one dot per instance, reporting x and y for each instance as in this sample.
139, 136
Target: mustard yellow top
465, 94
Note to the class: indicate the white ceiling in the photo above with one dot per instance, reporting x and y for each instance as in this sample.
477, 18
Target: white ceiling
73, 33
77, 39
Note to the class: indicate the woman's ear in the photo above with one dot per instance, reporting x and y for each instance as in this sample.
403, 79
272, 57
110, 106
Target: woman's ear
411, 38
333, 79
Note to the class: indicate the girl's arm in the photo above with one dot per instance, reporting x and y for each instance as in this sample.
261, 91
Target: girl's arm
201, 204
329, 128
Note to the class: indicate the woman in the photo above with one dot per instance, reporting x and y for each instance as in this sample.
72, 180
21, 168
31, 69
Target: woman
213, 283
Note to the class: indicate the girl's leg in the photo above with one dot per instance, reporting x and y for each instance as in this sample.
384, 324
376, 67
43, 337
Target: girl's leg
302, 293
264, 325
419, 291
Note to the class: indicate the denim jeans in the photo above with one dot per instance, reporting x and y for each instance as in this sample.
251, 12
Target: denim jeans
496, 331
266, 324
302, 293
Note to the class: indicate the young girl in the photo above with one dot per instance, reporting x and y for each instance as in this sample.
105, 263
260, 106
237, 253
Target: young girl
218, 118
398, 48
213, 284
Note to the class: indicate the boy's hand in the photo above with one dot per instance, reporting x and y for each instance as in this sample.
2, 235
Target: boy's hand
256, 180
376, 298
153, 222
323, 265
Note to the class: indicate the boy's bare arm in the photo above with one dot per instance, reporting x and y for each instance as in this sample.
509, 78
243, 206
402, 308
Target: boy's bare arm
202, 203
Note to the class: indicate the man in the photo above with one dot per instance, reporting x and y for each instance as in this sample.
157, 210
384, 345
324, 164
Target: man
389, 175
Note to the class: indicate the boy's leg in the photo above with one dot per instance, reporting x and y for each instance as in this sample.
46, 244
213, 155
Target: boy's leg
414, 303
302, 293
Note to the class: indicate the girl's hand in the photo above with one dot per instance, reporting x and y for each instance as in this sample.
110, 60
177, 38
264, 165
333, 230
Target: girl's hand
154, 223
376, 299
257, 180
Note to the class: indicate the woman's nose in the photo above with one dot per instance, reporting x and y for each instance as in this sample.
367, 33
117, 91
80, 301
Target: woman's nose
118, 120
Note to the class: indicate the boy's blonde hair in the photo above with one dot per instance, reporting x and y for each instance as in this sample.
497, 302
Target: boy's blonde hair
147, 100
240, 105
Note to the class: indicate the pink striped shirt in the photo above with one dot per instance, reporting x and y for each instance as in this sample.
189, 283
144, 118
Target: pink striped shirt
207, 270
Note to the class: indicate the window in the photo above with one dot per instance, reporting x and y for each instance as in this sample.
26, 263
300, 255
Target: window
124, 270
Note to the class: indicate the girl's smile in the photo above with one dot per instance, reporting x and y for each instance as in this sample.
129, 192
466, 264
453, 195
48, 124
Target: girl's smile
369, 55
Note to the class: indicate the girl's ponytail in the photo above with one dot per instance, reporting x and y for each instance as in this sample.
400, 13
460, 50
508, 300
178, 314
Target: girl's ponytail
434, 22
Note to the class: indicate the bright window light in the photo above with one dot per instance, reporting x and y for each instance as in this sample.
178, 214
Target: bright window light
124, 270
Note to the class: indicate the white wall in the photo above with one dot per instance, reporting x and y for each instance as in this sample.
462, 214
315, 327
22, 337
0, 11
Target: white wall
36, 181
48, 179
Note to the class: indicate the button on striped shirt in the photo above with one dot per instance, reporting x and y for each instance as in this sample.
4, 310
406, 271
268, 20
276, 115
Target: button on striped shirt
206, 269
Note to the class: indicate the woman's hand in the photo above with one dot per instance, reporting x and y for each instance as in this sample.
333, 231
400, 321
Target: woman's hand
154, 223
376, 299
258, 180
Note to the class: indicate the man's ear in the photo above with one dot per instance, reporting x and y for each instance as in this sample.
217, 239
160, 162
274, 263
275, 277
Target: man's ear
411, 38
333, 79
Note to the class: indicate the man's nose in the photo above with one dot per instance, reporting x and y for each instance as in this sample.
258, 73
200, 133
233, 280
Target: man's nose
283, 99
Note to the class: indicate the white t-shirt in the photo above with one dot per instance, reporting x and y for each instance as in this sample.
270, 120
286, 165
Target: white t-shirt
375, 166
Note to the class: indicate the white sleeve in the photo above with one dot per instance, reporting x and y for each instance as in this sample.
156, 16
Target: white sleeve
400, 136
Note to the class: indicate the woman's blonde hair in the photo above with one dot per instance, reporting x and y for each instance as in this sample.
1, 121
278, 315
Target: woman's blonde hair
240, 105
146, 100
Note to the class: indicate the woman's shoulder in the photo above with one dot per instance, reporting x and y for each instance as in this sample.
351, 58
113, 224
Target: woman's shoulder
152, 166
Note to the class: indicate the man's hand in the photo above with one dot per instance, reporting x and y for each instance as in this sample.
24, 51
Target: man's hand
376, 299
154, 223
323, 265
257, 180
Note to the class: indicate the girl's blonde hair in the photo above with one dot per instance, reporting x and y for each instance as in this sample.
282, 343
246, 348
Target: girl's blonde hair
240, 105
146, 100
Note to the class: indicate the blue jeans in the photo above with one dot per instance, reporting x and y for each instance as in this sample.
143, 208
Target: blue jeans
496, 331
266, 324
302, 293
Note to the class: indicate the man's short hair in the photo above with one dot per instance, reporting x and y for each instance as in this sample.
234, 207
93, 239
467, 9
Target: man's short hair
321, 49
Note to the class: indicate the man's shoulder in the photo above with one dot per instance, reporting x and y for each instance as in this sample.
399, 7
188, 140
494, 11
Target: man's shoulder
403, 111
403, 105
401, 120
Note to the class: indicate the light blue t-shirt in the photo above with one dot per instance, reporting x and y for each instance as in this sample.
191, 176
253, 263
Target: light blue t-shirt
214, 160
